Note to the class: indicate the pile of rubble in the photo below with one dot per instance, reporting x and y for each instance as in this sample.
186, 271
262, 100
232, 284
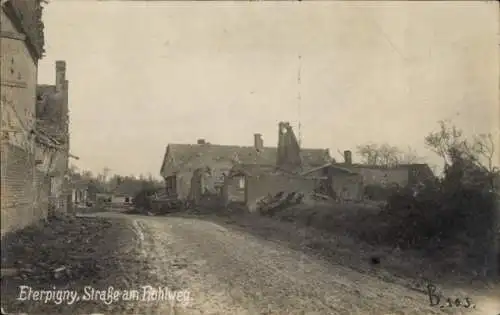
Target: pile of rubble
272, 204
64, 251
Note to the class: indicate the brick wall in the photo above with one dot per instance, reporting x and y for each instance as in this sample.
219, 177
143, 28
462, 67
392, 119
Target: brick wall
260, 186
22, 203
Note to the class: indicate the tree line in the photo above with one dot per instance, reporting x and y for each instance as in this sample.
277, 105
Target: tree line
447, 140
106, 183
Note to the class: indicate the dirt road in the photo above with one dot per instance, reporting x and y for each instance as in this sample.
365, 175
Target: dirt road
227, 271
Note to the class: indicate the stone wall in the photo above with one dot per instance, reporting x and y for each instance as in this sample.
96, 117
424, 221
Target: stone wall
184, 177
183, 184
339, 183
232, 190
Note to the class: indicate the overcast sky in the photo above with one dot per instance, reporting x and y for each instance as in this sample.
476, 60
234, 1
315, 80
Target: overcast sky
143, 75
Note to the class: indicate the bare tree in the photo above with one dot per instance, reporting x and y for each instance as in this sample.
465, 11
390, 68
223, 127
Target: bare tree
389, 155
449, 141
369, 153
483, 148
466, 161
386, 155
87, 174
410, 156
443, 140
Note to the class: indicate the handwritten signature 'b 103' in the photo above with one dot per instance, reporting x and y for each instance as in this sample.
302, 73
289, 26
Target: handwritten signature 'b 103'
438, 300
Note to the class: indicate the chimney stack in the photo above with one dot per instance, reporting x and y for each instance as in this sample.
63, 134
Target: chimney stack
65, 107
258, 142
60, 75
347, 157
201, 141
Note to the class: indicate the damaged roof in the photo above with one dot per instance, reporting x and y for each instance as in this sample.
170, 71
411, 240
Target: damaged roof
26, 15
183, 154
392, 167
332, 165
413, 167
252, 169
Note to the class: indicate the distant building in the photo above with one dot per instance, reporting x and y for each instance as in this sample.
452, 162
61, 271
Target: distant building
124, 192
347, 181
403, 175
81, 192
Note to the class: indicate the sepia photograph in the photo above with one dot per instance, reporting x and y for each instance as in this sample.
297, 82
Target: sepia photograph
250, 157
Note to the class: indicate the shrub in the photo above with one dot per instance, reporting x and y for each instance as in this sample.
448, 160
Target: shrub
378, 192
458, 211
142, 199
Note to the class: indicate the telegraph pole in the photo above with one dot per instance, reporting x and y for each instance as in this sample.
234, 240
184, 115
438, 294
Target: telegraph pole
299, 99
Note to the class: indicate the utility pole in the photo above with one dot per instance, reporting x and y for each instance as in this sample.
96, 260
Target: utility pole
303, 232
299, 99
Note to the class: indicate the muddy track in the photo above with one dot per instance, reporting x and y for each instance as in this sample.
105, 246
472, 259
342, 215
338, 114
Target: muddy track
226, 270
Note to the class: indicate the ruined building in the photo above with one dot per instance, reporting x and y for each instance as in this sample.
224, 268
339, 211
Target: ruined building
52, 139
22, 47
288, 154
181, 161
24, 182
